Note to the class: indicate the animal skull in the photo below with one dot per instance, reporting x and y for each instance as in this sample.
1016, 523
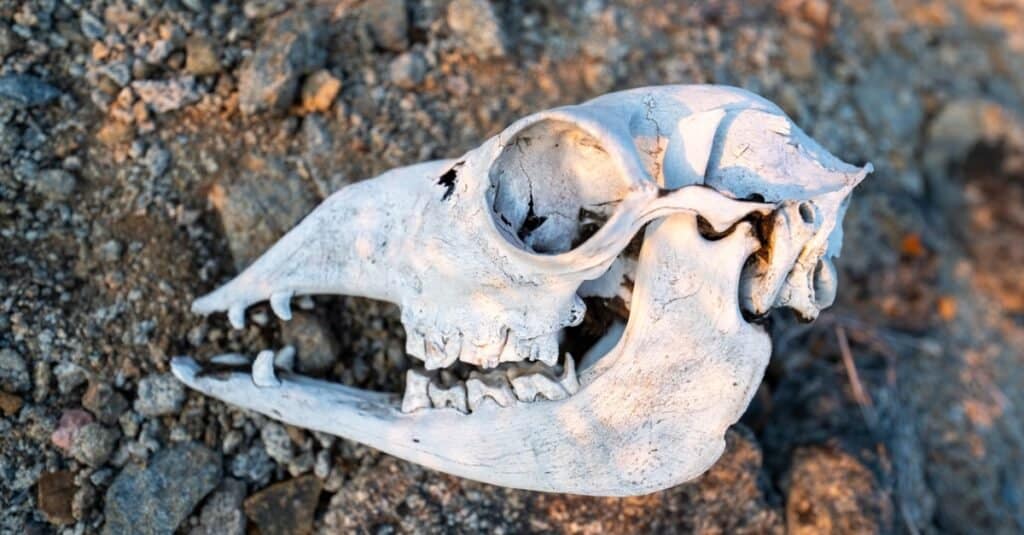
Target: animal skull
489, 256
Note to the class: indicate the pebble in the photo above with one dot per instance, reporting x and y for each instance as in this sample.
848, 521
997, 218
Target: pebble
54, 493
253, 465
157, 498
388, 21
55, 184
8, 42
201, 56
10, 404
92, 26
407, 70
93, 444
14, 375
111, 251
286, 507
115, 133
26, 91
164, 96
71, 422
290, 48
476, 25
69, 377
156, 160
105, 403
277, 443
222, 514
159, 394
319, 91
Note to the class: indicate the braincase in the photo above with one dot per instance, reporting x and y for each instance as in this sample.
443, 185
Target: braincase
552, 186
762, 153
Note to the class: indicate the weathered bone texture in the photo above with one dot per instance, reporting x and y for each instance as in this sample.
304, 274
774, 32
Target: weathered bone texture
489, 255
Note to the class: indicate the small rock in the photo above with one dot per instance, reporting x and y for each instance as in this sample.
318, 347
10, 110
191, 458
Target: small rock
120, 73
104, 402
161, 49
389, 24
26, 91
277, 442
10, 404
159, 394
156, 160
157, 498
407, 70
475, 23
319, 91
286, 507
115, 133
261, 9
92, 26
253, 465
69, 377
201, 57
798, 56
315, 134
111, 251
163, 96
290, 48
93, 444
316, 349
71, 422
55, 184
222, 514
84, 501
8, 42
54, 494
14, 375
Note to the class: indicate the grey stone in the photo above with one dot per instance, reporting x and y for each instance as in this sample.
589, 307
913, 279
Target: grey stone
277, 443
476, 25
111, 251
389, 24
55, 184
407, 70
290, 48
69, 377
14, 375
26, 90
93, 444
222, 514
163, 96
120, 73
261, 9
159, 394
157, 498
253, 465
316, 349
8, 41
156, 160
92, 26
201, 56
105, 403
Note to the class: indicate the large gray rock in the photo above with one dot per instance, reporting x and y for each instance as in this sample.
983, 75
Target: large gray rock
291, 48
157, 498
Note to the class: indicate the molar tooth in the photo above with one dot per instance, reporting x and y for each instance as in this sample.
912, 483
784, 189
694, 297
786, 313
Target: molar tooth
548, 387
281, 304
492, 385
547, 349
263, 370
510, 352
568, 379
453, 396
415, 345
487, 354
236, 315
453, 346
535, 380
437, 357
415, 397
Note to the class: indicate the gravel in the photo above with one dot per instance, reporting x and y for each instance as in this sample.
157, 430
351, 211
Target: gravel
25, 90
13, 372
94, 444
292, 48
159, 394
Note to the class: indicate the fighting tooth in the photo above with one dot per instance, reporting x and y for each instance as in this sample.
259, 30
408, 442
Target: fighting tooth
285, 358
568, 378
453, 396
492, 385
236, 315
263, 370
415, 397
281, 304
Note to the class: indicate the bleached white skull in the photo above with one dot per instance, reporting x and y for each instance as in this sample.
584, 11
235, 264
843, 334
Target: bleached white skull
488, 256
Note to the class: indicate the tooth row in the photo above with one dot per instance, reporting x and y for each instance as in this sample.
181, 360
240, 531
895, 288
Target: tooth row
442, 351
280, 303
501, 388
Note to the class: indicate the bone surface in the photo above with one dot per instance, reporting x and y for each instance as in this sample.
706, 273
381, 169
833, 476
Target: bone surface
490, 255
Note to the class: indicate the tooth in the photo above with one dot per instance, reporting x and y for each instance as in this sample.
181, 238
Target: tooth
415, 397
263, 370
524, 388
437, 357
535, 380
488, 354
415, 345
568, 379
453, 396
453, 346
236, 315
285, 358
230, 359
306, 303
281, 304
548, 387
510, 352
547, 347
577, 312
493, 386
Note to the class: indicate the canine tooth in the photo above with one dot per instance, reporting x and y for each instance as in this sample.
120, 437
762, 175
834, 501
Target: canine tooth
281, 304
263, 370
230, 359
236, 315
285, 358
306, 303
492, 385
453, 396
568, 379
415, 397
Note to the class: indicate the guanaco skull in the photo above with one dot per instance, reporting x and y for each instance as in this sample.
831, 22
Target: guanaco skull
488, 256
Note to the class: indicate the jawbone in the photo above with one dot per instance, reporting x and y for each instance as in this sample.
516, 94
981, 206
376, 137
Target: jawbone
650, 414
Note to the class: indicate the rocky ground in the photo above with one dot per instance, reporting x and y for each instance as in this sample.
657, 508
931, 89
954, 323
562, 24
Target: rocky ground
150, 149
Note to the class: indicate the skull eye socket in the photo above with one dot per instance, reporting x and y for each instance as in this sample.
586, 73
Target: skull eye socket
553, 186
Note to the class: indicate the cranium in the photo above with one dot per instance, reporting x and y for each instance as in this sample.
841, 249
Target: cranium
489, 256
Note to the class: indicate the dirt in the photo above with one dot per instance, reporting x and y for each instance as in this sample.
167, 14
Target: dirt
896, 411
